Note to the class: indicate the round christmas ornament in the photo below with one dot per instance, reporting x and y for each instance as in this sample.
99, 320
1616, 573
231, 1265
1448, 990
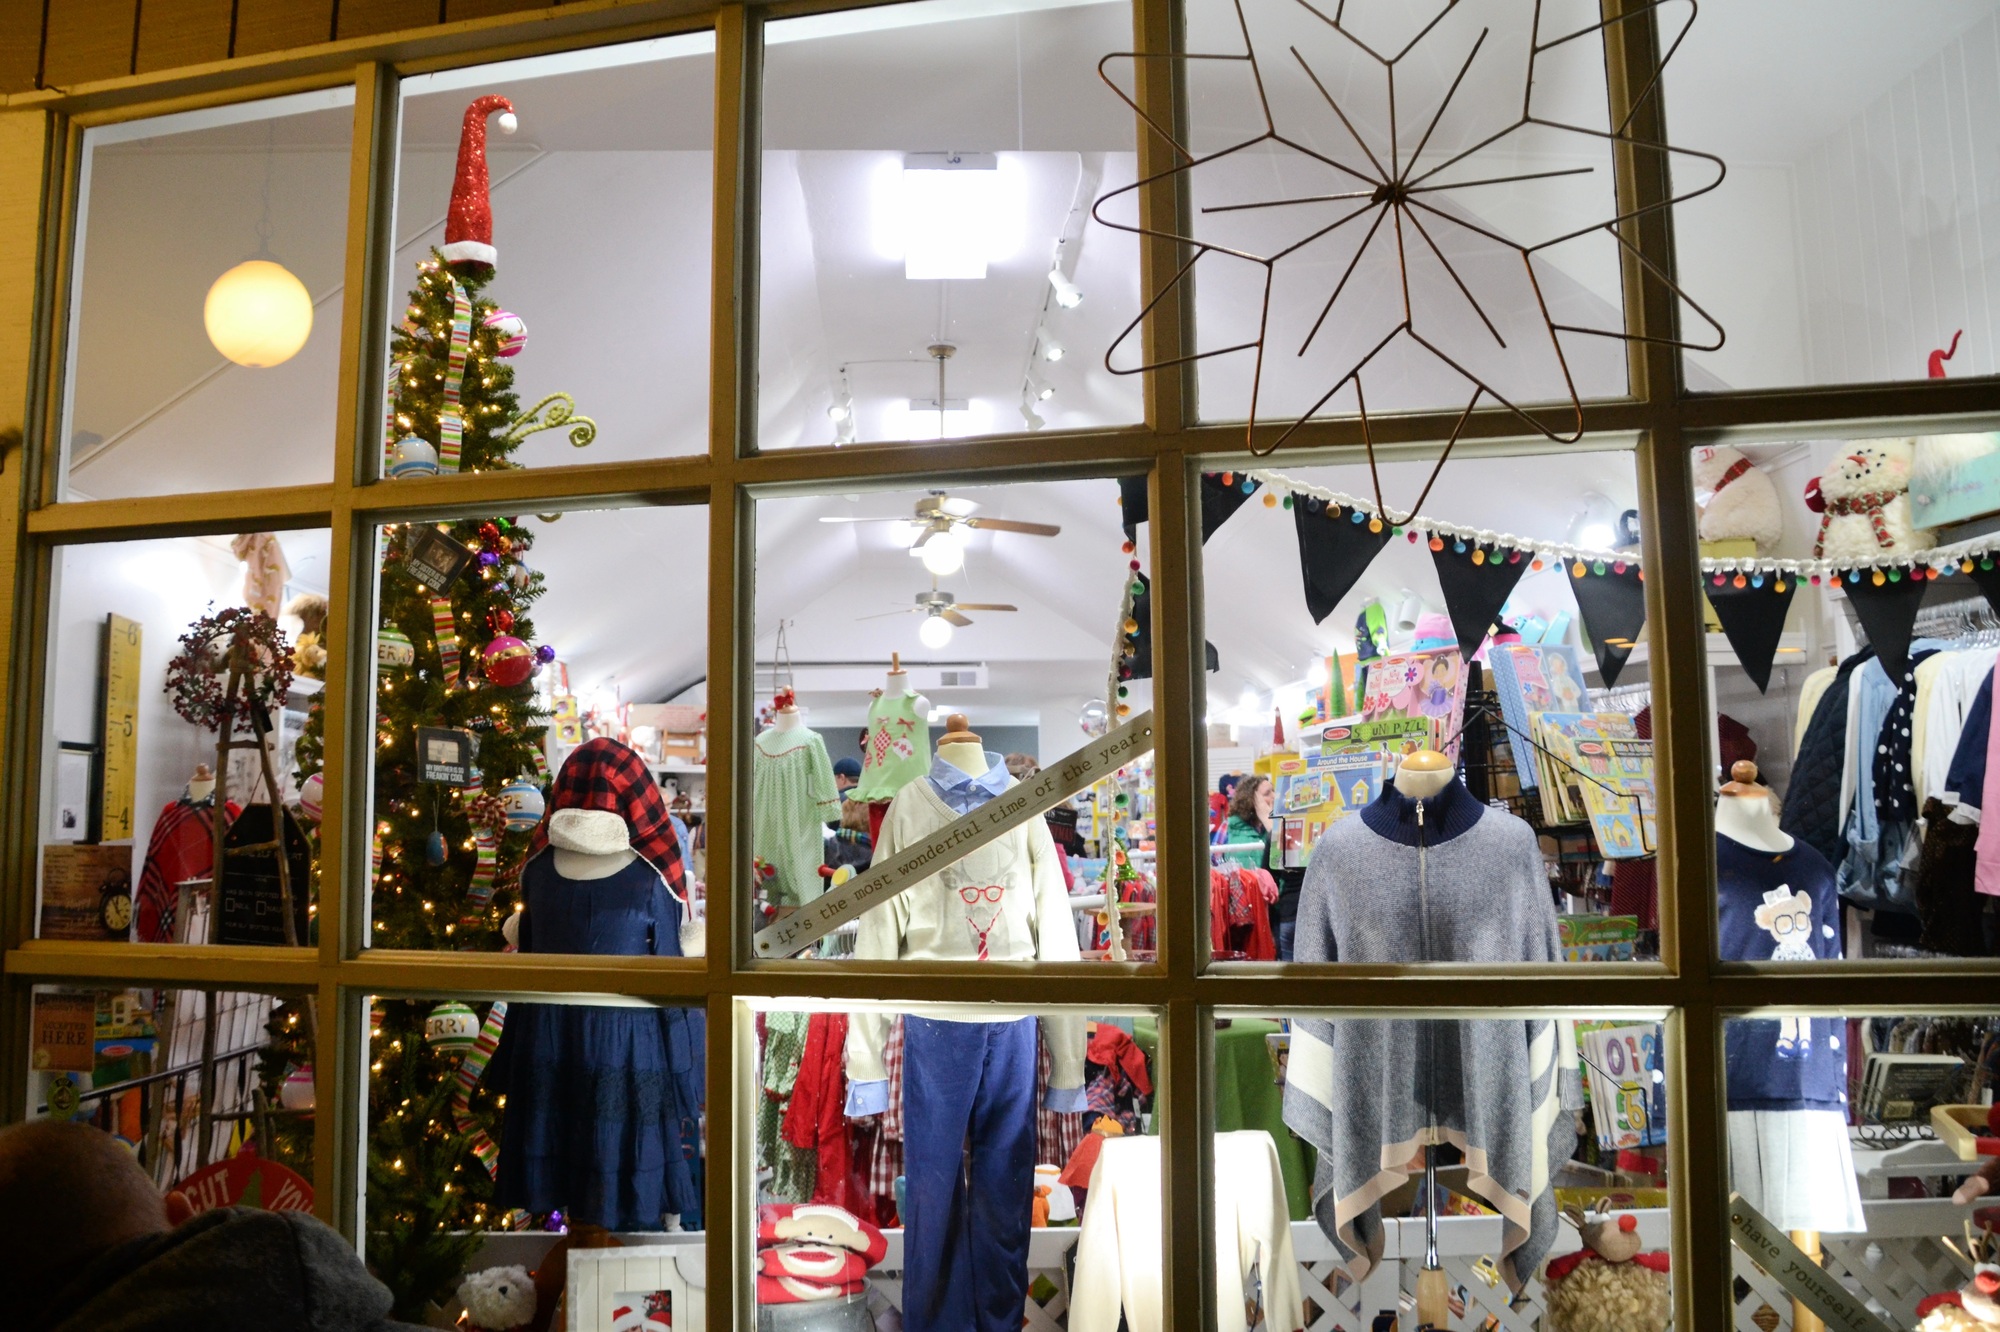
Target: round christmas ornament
312, 793
393, 649
508, 661
412, 456
297, 1093
513, 331
451, 1028
520, 575
434, 849
524, 804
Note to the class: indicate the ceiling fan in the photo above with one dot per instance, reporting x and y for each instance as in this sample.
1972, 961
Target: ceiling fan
941, 612
939, 518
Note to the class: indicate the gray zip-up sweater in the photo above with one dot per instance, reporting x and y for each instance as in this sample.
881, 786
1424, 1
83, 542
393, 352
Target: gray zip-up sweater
1464, 885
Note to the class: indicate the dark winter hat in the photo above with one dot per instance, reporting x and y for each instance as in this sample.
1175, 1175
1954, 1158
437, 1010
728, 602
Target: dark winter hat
847, 767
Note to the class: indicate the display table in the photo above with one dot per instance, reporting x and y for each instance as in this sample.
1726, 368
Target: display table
1247, 1096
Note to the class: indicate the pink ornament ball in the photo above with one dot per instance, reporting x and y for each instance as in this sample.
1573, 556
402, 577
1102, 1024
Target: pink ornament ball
513, 331
312, 793
508, 661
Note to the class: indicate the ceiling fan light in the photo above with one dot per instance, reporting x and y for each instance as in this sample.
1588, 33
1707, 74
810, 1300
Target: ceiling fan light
934, 632
943, 554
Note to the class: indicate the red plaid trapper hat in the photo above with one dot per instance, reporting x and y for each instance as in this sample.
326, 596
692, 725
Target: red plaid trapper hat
603, 774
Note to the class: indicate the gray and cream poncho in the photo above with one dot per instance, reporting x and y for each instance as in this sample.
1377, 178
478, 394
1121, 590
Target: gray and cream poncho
1465, 885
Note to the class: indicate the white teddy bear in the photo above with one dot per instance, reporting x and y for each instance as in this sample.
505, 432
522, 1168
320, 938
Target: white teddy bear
498, 1298
1866, 503
1737, 501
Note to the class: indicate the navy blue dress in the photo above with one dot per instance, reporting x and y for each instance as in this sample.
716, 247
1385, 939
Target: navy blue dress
603, 1104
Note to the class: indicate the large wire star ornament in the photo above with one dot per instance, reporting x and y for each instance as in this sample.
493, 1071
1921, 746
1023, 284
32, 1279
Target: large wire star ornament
1403, 199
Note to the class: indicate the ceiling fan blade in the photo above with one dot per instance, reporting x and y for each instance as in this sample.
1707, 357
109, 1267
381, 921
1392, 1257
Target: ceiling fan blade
825, 518
883, 615
985, 606
951, 616
922, 537
1010, 525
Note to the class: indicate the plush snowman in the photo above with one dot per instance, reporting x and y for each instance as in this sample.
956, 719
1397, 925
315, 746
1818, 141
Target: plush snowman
1737, 501
1864, 503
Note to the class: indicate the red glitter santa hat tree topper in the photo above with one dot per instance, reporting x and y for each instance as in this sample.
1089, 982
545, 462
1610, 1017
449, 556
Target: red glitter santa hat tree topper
468, 224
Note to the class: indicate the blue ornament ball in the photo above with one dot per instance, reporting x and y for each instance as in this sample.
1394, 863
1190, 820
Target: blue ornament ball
524, 804
434, 852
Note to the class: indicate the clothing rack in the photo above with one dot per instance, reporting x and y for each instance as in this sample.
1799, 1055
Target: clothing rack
1972, 622
1631, 699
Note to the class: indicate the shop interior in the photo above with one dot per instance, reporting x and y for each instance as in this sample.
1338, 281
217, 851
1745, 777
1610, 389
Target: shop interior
1385, 633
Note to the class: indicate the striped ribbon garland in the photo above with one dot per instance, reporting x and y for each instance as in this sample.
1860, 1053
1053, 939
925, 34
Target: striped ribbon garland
480, 895
470, 1070
444, 623
375, 854
451, 422
541, 763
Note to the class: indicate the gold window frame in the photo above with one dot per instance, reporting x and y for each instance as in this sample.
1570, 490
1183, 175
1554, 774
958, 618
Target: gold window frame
40, 147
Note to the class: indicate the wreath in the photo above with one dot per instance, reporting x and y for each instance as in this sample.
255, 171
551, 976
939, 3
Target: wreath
197, 678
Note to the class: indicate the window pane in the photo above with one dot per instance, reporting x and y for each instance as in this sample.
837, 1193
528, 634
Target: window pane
131, 752
1340, 1143
497, 1129
205, 306
611, 165
1323, 678
1860, 691
507, 654
1852, 1134
191, 1081
927, 183
867, 1111
880, 619
1851, 236
1289, 151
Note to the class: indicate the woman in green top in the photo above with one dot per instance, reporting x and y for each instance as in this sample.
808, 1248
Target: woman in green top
1250, 821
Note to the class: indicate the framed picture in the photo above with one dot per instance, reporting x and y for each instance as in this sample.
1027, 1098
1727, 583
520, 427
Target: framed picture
444, 755
72, 813
434, 558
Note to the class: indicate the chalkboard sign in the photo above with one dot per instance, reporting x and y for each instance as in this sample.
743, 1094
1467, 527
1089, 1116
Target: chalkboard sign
250, 901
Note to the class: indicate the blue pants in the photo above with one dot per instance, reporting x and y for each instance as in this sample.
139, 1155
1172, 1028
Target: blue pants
969, 1166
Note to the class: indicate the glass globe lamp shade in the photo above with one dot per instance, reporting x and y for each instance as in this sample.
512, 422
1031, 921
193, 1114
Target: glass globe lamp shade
257, 314
943, 554
934, 631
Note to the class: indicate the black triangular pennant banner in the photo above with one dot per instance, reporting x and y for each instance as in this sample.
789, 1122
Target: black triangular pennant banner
1133, 505
1139, 666
1613, 606
1334, 550
1218, 501
1986, 574
1753, 617
1888, 612
1476, 583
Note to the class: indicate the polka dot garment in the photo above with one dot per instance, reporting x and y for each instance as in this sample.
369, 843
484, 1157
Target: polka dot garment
1895, 792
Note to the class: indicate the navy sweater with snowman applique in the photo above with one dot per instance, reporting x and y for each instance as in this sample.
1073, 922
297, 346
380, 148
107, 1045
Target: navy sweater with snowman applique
1781, 908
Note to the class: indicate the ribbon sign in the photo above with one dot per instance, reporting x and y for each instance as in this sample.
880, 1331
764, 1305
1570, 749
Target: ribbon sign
451, 421
1772, 1249
908, 866
470, 1070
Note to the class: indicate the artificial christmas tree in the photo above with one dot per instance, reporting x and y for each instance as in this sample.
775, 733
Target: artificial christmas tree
456, 724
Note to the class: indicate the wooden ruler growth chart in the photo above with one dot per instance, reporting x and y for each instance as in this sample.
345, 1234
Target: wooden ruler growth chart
120, 728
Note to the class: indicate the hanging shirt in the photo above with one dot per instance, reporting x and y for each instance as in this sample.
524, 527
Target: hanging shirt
1780, 907
182, 847
792, 796
1956, 679
1965, 777
898, 748
1005, 901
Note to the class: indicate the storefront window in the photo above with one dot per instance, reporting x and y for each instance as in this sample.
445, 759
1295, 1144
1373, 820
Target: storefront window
1852, 640
1848, 243
514, 681
1501, 629
1851, 1137
1474, 1168
1389, 221
147, 643
932, 1166
204, 320
568, 195
920, 653
502, 1133
930, 269
186, 1081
